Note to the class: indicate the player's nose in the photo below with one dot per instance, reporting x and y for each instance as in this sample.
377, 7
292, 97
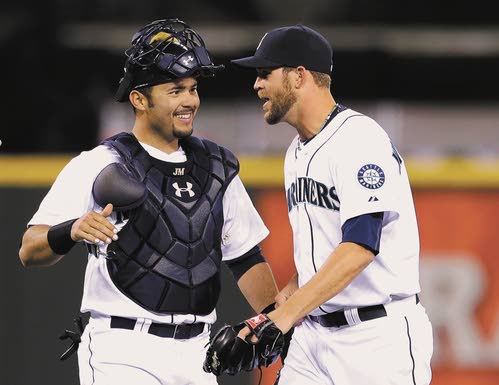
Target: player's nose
257, 86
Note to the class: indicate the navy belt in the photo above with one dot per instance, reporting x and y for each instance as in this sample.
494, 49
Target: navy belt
338, 318
178, 332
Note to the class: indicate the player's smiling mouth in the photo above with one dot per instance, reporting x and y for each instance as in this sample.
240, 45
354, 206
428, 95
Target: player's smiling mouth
184, 116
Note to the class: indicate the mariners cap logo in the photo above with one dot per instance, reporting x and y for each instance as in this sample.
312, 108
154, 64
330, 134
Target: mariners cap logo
371, 176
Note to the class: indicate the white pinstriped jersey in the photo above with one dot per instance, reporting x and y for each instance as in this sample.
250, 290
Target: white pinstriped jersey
348, 169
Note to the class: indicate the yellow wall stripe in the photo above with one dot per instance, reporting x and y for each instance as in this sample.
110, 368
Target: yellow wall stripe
453, 172
41, 171
31, 170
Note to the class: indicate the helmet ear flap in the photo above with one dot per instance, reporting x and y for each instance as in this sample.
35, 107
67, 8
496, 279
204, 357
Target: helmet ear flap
124, 87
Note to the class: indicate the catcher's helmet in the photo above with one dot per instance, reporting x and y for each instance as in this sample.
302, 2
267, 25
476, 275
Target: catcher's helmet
162, 51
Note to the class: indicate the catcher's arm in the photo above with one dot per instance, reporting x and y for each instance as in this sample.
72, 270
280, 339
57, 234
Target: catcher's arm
35, 249
258, 286
39, 241
254, 278
228, 354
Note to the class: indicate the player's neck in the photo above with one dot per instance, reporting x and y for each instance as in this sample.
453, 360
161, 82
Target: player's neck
312, 115
155, 139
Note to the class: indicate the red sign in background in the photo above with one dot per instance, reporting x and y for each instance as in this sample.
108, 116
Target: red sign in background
459, 233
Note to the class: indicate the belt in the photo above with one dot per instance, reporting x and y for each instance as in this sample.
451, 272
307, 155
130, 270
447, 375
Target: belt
178, 332
339, 318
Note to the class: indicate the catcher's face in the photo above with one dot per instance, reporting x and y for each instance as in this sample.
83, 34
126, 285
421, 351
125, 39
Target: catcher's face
274, 88
172, 108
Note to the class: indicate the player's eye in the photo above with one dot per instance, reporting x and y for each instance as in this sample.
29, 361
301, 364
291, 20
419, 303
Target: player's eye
263, 73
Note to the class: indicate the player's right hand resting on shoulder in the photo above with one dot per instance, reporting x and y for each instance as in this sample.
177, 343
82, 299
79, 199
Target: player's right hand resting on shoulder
94, 227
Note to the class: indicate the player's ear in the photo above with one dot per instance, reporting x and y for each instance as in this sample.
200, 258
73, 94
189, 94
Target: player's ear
138, 100
300, 76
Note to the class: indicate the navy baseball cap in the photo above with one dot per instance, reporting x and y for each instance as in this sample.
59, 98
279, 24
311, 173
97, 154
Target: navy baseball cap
291, 46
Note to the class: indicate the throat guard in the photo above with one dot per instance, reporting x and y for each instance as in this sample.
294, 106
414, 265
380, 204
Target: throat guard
167, 258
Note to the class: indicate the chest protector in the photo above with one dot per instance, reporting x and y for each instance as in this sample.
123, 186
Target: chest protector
167, 258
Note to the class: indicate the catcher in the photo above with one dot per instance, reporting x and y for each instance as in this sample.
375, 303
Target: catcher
159, 210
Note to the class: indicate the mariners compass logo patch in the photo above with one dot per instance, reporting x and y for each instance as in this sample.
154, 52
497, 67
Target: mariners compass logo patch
371, 176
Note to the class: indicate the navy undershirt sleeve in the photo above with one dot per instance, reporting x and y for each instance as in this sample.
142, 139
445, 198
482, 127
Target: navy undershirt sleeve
365, 230
240, 265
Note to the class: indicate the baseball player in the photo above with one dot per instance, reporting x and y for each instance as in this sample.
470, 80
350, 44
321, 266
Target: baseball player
158, 210
355, 234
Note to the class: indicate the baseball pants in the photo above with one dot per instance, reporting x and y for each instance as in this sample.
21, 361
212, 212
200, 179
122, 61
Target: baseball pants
391, 350
111, 356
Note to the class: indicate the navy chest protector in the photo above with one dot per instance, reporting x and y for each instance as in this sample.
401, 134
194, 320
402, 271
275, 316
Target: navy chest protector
167, 258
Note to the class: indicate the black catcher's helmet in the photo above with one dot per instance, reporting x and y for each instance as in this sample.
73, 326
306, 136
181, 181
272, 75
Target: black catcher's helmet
162, 51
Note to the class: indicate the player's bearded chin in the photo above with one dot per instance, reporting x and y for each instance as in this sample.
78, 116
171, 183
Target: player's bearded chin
180, 133
183, 131
281, 103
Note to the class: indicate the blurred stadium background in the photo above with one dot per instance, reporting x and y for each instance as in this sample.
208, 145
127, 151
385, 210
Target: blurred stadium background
426, 70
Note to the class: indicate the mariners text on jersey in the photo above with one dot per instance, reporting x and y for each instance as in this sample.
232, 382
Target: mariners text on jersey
307, 190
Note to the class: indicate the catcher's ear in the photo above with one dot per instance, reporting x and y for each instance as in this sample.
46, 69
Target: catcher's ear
138, 100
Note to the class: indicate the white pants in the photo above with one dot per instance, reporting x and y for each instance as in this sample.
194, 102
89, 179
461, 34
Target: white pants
391, 350
133, 357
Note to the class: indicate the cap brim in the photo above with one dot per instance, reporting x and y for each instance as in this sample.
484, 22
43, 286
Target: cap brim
255, 62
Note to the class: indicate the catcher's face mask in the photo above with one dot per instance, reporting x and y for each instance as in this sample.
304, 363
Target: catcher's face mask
162, 51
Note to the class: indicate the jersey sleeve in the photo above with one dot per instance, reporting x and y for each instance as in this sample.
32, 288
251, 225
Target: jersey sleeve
71, 194
367, 170
243, 227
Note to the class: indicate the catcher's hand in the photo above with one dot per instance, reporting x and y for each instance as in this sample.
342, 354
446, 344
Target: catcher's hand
229, 354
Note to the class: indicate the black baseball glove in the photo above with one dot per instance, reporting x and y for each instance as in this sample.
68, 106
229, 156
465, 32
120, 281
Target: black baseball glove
229, 354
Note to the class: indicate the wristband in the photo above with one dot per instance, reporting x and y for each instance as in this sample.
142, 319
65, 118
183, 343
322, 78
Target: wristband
59, 237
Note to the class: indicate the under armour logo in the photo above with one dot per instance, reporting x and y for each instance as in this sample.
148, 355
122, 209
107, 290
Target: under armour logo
180, 190
187, 60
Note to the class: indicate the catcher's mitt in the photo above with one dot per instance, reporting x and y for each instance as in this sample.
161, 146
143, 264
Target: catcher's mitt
229, 354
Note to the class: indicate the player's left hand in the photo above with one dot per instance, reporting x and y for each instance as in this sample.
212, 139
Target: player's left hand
230, 354
245, 332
